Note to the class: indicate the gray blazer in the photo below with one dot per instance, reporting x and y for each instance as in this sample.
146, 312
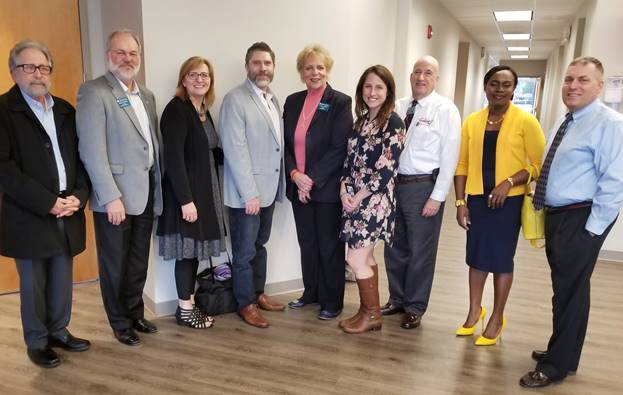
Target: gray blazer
112, 148
253, 149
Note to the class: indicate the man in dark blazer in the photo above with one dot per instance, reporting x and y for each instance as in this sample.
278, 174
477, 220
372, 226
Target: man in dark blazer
44, 190
314, 168
119, 146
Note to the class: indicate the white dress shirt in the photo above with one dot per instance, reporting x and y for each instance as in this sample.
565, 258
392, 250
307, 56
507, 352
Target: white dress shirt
267, 99
433, 140
141, 114
46, 117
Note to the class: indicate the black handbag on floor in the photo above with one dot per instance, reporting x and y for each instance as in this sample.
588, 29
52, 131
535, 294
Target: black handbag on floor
215, 297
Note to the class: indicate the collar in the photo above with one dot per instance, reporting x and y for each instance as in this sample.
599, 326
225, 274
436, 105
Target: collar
259, 92
125, 88
426, 99
578, 114
33, 103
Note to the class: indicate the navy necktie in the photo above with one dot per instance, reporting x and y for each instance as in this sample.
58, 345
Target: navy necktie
541, 186
410, 111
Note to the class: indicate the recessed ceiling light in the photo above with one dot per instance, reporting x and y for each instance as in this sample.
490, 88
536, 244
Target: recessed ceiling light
511, 49
519, 56
514, 36
506, 16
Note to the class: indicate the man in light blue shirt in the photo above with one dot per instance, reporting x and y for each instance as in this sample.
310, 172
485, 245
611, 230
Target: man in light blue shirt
582, 182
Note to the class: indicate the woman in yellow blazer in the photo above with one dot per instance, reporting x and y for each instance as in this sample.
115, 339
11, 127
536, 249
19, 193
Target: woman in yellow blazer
501, 148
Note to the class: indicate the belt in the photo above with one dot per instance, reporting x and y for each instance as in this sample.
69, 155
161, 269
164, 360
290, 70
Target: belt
568, 207
407, 178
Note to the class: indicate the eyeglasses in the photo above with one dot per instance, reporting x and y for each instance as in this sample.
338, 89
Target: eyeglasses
31, 68
195, 76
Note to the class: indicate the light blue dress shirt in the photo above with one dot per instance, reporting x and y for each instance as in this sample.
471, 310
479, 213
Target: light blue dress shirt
46, 117
588, 165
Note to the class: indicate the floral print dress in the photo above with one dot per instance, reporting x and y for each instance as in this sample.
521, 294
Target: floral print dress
372, 162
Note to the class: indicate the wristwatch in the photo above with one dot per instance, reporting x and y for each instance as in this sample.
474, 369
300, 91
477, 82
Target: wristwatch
460, 202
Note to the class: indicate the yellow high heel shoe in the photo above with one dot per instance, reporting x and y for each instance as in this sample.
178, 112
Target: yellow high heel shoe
463, 331
483, 341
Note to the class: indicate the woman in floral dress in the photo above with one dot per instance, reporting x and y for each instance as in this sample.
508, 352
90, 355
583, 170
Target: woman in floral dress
367, 188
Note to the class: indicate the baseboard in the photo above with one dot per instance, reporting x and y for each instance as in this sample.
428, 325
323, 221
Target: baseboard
609, 255
168, 307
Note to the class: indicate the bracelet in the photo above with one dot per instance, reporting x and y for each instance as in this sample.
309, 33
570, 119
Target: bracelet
510, 180
292, 173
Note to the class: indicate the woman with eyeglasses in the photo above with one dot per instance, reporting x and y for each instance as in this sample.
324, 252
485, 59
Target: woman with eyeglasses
191, 226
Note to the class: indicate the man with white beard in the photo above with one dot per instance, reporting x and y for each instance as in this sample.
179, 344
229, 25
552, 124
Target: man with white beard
120, 148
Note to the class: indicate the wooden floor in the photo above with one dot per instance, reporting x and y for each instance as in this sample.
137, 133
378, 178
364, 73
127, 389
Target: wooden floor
300, 354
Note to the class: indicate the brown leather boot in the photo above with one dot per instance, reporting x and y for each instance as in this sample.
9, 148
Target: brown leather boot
370, 319
354, 318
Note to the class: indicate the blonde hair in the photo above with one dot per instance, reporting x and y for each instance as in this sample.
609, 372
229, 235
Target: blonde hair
190, 64
314, 50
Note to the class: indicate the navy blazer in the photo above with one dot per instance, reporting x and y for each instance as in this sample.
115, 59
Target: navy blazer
29, 181
325, 144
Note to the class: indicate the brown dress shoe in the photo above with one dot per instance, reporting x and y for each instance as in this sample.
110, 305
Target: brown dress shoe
410, 321
535, 379
268, 305
354, 318
252, 316
390, 309
370, 319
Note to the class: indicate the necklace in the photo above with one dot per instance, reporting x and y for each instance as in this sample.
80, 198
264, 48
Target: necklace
490, 122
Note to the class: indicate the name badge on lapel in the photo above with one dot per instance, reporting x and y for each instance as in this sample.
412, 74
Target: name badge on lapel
323, 107
123, 102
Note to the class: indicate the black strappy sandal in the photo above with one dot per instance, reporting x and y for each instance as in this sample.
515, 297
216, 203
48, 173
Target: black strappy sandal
193, 318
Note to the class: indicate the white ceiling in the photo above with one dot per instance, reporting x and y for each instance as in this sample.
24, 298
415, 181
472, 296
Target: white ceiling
551, 19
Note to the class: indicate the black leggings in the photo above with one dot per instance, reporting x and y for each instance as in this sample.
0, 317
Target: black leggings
186, 277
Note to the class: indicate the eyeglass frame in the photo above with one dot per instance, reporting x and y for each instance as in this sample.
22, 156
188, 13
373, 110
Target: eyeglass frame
204, 76
40, 67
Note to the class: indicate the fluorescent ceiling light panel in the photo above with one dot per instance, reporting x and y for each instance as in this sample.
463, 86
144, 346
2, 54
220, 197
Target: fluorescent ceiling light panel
519, 56
508, 16
514, 36
512, 49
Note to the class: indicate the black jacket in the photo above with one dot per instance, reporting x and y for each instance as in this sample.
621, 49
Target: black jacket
325, 144
29, 181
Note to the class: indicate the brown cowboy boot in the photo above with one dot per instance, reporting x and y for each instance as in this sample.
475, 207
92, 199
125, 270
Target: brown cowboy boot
370, 319
354, 318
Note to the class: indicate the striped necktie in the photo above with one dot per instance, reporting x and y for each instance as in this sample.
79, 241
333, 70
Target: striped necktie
541, 186
409, 116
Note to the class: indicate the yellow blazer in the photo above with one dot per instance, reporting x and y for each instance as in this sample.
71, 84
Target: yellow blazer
519, 146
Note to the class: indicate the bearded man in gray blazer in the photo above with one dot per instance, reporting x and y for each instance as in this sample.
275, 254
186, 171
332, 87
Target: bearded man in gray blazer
119, 146
252, 136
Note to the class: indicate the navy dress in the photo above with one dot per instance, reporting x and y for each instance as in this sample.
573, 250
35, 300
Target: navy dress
493, 233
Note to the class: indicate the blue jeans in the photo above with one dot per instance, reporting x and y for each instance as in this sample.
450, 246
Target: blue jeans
249, 233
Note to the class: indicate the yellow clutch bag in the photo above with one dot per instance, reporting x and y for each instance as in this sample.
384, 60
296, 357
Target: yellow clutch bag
532, 221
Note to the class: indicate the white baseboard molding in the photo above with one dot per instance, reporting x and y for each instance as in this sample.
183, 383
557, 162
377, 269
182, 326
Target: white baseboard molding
168, 307
609, 255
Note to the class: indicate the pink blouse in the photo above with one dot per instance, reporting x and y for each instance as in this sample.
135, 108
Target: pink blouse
302, 126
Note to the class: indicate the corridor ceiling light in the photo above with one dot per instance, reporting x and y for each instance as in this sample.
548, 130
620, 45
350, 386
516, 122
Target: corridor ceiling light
515, 36
512, 49
519, 56
508, 16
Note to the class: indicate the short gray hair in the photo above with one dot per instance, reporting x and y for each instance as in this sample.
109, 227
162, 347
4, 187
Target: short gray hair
27, 44
120, 32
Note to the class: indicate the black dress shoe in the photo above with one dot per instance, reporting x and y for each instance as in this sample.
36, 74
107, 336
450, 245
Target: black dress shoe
44, 357
535, 379
127, 337
390, 309
69, 343
540, 355
142, 325
410, 321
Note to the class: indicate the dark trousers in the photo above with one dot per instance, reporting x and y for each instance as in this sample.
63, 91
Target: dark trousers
249, 233
410, 261
322, 252
572, 253
45, 297
123, 255
186, 277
